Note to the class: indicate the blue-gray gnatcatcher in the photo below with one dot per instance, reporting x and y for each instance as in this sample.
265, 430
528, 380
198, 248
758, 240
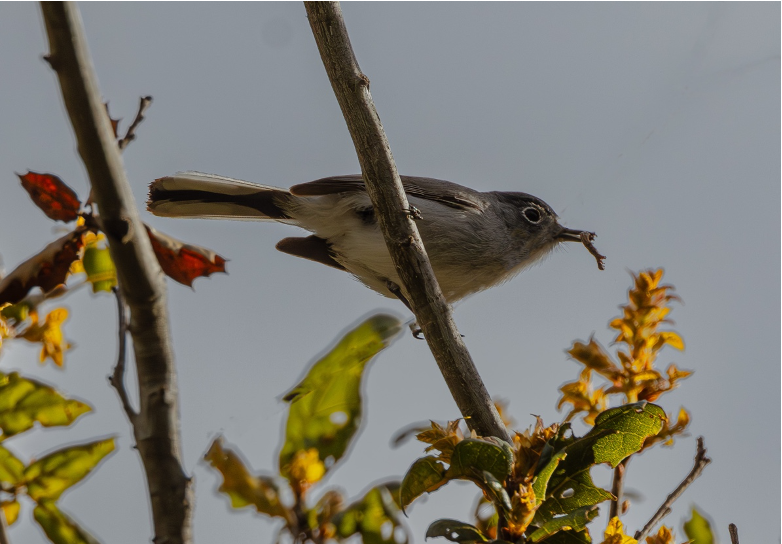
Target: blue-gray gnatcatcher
474, 240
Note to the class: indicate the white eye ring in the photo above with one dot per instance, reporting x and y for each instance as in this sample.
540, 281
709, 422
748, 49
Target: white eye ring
532, 214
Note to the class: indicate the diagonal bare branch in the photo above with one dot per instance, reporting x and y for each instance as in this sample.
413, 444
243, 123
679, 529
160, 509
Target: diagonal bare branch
700, 463
396, 221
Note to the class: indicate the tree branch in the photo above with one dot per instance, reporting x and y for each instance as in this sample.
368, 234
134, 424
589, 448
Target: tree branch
3, 529
617, 489
117, 378
156, 427
144, 103
734, 533
700, 463
396, 221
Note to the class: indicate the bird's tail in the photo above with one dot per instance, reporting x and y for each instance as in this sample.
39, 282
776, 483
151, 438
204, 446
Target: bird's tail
194, 194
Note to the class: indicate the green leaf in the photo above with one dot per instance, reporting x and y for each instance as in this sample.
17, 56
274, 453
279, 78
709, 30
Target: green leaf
325, 408
24, 401
51, 475
472, 455
542, 478
60, 528
455, 531
617, 433
494, 490
11, 468
243, 488
425, 475
632, 423
698, 529
17, 312
99, 268
570, 537
376, 517
576, 521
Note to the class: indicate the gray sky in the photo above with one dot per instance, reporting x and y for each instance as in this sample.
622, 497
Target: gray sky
655, 125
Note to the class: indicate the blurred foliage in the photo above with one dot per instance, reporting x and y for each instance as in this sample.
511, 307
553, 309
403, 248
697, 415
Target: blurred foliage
324, 413
698, 529
49, 274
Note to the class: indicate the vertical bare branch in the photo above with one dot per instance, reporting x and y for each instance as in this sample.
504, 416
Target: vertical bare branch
156, 426
117, 378
3, 530
396, 221
734, 533
617, 489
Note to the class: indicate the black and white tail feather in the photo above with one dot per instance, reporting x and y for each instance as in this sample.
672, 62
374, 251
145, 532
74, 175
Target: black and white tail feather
206, 196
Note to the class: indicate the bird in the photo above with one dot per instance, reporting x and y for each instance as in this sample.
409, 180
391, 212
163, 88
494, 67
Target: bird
474, 240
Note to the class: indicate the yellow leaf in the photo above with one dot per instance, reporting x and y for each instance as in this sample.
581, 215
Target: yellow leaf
663, 536
23, 402
675, 374
242, 487
306, 467
672, 339
523, 508
11, 511
11, 468
594, 357
614, 533
49, 335
60, 528
51, 475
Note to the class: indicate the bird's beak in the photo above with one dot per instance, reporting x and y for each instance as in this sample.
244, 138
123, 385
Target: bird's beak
569, 235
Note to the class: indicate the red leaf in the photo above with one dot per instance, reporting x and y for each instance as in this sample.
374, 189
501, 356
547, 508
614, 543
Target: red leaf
57, 200
46, 270
183, 262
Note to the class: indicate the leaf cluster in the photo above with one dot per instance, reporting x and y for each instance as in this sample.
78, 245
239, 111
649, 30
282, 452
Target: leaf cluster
634, 377
324, 415
23, 403
539, 486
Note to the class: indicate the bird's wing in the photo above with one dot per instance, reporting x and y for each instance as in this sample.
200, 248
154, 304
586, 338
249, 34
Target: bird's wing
436, 190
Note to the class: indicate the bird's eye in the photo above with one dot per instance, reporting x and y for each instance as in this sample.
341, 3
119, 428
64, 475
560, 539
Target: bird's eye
531, 214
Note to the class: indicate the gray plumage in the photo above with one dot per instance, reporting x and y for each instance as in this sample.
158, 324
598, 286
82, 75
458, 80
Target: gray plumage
474, 239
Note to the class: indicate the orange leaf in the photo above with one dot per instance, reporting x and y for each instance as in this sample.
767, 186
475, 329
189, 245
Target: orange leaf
57, 200
46, 270
594, 357
49, 335
672, 339
183, 262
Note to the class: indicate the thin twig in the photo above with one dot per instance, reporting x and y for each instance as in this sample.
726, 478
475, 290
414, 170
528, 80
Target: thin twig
734, 533
117, 378
130, 135
700, 463
617, 489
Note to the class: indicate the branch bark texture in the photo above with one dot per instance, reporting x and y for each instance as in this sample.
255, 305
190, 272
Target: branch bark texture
156, 425
351, 88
